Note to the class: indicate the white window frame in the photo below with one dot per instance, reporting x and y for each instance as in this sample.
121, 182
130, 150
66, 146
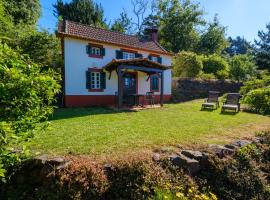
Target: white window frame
128, 55
95, 80
96, 51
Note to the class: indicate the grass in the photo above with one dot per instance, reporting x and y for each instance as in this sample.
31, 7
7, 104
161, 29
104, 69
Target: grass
101, 131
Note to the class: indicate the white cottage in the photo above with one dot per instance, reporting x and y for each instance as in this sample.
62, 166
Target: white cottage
103, 67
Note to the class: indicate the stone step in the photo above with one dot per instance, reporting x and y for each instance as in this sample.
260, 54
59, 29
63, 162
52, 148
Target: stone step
191, 165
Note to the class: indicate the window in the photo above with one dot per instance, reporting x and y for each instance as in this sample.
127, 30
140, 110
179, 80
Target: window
96, 51
95, 80
154, 84
154, 59
128, 55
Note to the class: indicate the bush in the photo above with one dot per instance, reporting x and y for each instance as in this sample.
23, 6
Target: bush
216, 65
259, 100
255, 84
205, 76
242, 68
26, 98
187, 64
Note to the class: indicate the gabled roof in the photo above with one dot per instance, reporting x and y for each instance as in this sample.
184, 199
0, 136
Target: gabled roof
72, 29
140, 62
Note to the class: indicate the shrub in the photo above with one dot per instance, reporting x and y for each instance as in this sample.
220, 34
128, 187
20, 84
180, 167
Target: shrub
26, 97
259, 100
187, 64
242, 68
216, 65
255, 84
205, 76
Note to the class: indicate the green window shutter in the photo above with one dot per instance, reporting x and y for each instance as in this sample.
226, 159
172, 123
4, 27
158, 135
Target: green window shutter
88, 80
103, 51
88, 49
119, 54
159, 60
154, 83
150, 57
103, 80
138, 55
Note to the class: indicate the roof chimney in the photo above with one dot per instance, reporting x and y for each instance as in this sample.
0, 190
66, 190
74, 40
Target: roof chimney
153, 33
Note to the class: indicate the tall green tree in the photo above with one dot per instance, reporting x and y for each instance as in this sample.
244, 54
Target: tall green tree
213, 41
242, 67
178, 21
23, 11
123, 24
237, 46
82, 11
262, 50
43, 48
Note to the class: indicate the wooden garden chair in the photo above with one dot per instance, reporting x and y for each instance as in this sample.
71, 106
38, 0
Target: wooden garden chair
212, 100
232, 102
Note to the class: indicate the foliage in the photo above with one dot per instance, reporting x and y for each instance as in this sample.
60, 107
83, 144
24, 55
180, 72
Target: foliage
259, 100
178, 20
123, 24
213, 41
255, 84
5, 21
217, 65
242, 68
82, 11
26, 95
237, 46
187, 64
241, 176
43, 48
206, 76
23, 11
262, 50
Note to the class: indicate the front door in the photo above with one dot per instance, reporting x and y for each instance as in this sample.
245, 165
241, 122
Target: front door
129, 84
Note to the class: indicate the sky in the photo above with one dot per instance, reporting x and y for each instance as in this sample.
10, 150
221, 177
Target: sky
241, 17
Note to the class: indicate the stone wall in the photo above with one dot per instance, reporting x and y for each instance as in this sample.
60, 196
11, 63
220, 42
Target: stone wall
185, 89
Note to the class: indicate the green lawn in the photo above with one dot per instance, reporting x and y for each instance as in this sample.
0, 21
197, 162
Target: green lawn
96, 131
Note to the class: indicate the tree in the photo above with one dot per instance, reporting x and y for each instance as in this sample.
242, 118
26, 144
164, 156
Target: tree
82, 11
217, 65
187, 64
238, 46
26, 97
139, 10
213, 41
123, 24
178, 21
5, 22
262, 50
43, 48
23, 11
242, 68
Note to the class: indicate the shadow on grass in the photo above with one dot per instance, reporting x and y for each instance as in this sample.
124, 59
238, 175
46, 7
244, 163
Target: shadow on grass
66, 113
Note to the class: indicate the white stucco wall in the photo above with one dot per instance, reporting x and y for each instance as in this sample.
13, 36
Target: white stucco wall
77, 63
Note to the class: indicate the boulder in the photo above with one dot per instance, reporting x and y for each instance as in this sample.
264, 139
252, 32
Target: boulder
192, 154
192, 166
221, 151
241, 143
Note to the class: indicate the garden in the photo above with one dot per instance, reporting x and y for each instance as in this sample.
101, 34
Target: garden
49, 152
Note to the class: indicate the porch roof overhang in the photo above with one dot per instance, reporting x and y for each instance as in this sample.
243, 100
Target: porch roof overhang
137, 64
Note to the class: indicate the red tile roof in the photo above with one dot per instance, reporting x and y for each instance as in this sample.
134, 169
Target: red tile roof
91, 33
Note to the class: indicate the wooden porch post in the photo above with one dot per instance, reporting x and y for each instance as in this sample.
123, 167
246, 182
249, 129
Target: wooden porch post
120, 90
162, 89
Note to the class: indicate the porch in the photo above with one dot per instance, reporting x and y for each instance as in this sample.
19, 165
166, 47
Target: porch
127, 80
